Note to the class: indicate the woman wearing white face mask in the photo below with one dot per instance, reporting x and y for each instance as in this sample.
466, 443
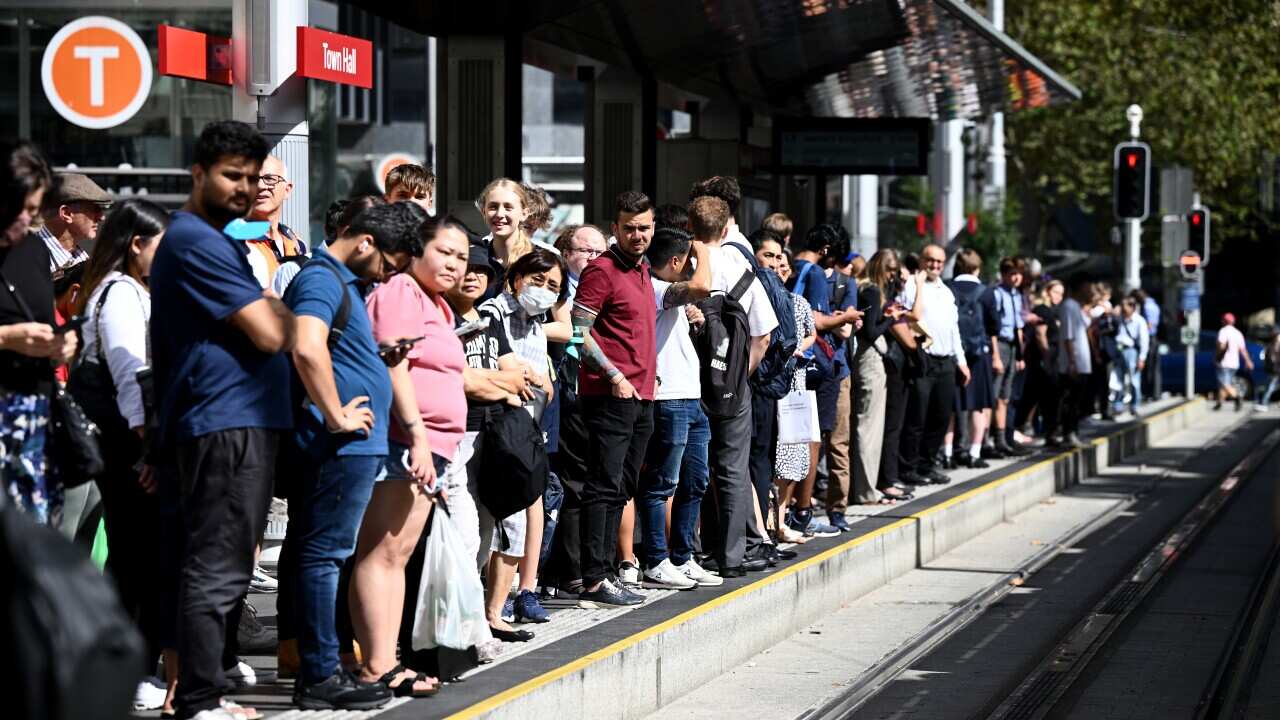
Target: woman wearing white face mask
535, 283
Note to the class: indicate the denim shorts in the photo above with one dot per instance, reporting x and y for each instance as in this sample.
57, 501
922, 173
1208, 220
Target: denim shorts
1227, 376
398, 464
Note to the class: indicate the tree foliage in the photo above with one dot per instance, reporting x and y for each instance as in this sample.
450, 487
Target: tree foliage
1206, 73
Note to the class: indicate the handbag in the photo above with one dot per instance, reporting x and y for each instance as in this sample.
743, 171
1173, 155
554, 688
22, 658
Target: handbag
90, 382
75, 457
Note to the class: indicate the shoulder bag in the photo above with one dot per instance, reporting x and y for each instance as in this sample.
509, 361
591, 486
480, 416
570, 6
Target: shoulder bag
75, 457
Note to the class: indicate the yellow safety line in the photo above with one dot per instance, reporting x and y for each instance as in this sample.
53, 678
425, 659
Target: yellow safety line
550, 676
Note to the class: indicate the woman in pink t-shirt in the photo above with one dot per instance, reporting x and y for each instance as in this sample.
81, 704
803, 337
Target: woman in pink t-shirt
431, 410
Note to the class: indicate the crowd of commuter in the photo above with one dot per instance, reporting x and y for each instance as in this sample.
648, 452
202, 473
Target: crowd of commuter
719, 393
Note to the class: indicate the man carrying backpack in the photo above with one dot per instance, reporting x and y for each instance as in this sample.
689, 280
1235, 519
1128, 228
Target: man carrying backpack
744, 310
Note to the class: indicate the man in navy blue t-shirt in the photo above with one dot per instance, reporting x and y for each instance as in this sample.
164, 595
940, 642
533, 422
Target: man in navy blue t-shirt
222, 397
834, 321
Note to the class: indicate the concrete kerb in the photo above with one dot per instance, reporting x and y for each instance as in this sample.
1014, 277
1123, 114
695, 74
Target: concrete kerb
636, 675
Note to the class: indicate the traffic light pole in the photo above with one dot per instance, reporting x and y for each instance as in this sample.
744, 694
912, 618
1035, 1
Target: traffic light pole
1133, 228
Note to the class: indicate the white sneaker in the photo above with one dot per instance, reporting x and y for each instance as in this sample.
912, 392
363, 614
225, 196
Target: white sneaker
629, 574
665, 576
261, 582
149, 695
215, 714
243, 676
696, 573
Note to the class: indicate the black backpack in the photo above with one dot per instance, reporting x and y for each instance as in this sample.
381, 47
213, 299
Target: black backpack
513, 462
973, 328
72, 651
724, 345
777, 368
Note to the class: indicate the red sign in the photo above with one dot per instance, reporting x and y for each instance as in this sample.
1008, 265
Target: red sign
337, 58
195, 55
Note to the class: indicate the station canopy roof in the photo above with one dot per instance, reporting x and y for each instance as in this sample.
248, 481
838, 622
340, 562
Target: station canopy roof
831, 58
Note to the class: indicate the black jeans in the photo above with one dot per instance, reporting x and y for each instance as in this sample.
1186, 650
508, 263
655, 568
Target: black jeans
1077, 401
225, 479
132, 519
930, 402
764, 450
569, 463
895, 416
618, 435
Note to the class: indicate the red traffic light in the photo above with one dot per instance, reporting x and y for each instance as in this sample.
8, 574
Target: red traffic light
1196, 219
1131, 159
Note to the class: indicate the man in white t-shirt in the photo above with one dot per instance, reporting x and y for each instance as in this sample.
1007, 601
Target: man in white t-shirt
1231, 349
1075, 361
676, 463
730, 449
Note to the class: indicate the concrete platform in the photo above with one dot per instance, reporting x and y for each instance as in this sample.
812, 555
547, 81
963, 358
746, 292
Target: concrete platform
640, 660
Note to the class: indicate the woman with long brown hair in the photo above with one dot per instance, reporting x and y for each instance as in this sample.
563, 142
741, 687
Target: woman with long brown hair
877, 294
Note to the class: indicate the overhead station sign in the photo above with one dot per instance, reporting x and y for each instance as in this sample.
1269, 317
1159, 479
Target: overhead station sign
324, 55
851, 146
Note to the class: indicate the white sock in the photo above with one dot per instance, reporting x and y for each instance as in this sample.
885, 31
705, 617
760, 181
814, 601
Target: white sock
975, 451
946, 451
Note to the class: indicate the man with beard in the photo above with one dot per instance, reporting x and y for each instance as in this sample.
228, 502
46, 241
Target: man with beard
615, 315
222, 399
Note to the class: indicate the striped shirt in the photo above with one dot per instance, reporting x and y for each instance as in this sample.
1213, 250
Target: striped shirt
60, 257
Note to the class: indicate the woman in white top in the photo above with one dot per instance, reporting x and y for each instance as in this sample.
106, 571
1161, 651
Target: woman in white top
117, 307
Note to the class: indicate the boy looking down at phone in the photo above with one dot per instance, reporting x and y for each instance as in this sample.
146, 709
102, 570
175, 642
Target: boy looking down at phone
342, 431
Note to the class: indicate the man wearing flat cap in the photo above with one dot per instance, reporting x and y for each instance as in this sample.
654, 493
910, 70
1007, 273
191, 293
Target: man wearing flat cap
71, 215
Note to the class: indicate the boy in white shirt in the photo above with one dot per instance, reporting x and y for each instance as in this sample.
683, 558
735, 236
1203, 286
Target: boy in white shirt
677, 457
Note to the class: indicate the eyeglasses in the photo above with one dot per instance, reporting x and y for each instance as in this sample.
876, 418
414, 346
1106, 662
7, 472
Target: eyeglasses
270, 181
589, 252
388, 263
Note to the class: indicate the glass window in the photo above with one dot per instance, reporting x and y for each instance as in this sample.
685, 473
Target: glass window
161, 134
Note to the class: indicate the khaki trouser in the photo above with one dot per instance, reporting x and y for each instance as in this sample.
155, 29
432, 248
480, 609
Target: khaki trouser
868, 407
838, 450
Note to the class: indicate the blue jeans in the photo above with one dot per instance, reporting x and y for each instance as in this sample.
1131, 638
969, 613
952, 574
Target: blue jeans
334, 497
1273, 383
676, 465
1125, 370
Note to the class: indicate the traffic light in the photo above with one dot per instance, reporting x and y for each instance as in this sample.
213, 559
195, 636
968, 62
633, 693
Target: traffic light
1198, 229
1132, 181
1189, 264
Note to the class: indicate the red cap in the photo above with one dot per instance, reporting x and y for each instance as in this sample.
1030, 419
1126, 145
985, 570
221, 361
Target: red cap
1228, 319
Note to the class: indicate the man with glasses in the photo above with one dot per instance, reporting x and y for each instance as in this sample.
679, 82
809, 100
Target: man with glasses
931, 397
341, 432
579, 245
71, 219
281, 243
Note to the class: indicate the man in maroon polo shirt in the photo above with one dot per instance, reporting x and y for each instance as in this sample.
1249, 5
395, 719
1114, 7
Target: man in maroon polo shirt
615, 314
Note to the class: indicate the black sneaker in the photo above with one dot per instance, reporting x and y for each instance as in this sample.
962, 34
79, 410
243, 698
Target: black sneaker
837, 521
340, 691
937, 478
912, 478
611, 594
252, 636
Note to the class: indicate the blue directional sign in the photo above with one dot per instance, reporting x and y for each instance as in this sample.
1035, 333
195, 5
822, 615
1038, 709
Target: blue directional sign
1189, 297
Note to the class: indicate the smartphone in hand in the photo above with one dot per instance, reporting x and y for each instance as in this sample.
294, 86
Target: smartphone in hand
72, 323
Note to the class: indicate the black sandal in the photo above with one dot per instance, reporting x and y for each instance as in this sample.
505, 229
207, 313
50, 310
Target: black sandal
405, 688
511, 635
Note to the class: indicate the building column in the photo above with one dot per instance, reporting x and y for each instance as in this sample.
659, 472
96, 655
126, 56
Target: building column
947, 177
281, 113
479, 85
861, 195
996, 182
620, 139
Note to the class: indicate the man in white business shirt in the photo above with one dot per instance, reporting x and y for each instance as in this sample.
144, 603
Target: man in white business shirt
931, 398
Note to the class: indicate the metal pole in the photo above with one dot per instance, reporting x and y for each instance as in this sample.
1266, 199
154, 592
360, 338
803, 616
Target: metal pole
1193, 321
1132, 255
1133, 228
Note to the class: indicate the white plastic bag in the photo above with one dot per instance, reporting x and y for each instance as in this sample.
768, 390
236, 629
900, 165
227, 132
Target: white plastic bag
795, 423
450, 609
